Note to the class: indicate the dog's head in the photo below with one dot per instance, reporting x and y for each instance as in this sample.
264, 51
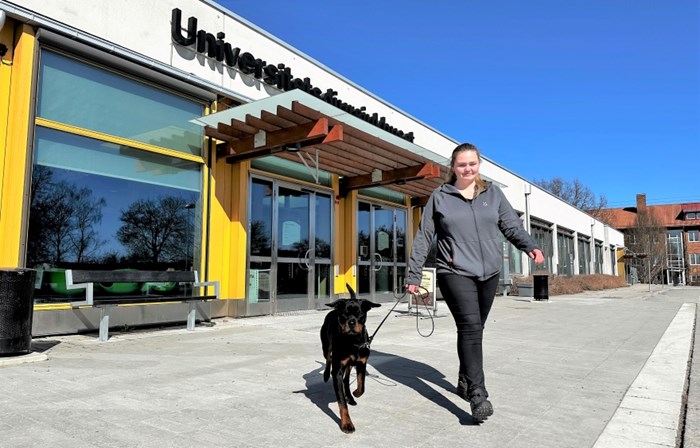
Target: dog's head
352, 312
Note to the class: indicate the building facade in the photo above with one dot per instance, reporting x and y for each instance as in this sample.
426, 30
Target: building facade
673, 256
177, 135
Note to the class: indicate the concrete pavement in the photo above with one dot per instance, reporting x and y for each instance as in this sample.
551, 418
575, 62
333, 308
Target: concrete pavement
595, 369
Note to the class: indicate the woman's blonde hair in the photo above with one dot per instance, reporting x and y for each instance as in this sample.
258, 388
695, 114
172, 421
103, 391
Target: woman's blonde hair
451, 177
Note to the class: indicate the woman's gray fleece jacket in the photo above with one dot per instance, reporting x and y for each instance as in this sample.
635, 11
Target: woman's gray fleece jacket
467, 233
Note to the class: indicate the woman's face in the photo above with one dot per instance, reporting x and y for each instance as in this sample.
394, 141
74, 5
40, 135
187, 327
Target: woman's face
466, 166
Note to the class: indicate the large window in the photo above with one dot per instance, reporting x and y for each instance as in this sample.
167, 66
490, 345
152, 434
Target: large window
543, 236
584, 256
89, 97
598, 257
97, 202
565, 246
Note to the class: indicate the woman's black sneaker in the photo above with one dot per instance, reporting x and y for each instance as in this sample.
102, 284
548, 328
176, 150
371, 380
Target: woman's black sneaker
481, 407
481, 410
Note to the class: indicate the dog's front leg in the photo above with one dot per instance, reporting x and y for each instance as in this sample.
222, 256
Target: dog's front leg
346, 386
361, 370
341, 395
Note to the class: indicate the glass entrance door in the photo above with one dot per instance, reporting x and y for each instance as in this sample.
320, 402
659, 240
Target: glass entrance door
381, 250
289, 262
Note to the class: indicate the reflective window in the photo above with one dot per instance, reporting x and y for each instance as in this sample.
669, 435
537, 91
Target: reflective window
96, 205
93, 98
543, 236
565, 246
323, 226
260, 225
584, 257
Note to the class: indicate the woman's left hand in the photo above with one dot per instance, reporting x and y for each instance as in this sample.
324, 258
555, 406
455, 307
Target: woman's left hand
536, 255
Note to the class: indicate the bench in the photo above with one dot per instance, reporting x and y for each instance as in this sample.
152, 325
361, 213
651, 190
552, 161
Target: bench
137, 288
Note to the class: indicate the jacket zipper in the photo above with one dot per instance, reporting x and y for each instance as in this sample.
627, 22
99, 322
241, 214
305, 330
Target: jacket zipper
478, 238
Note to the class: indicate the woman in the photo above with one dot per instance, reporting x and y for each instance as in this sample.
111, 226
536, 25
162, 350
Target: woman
466, 214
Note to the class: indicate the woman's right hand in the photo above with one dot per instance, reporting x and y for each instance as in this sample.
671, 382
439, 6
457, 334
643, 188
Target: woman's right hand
412, 288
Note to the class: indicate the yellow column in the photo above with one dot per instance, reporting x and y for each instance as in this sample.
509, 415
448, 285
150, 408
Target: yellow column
16, 75
228, 237
239, 228
347, 240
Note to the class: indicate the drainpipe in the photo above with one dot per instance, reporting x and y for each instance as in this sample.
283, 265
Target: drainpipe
593, 248
528, 191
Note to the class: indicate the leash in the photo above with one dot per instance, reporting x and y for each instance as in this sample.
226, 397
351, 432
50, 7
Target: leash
398, 300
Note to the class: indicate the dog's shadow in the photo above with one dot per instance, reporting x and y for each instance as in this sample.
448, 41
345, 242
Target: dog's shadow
388, 370
319, 393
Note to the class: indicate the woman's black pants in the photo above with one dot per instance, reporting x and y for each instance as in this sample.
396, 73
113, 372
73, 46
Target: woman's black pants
469, 301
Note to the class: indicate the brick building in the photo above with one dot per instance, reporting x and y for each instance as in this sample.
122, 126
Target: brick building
681, 224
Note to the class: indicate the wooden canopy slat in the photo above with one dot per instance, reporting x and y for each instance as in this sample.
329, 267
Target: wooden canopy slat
350, 150
241, 126
291, 116
341, 169
388, 177
331, 150
276, 120
261, 124
231, 131
214, 133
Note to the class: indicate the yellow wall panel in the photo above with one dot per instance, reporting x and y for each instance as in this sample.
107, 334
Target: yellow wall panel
238, 189
220, 227
15, 98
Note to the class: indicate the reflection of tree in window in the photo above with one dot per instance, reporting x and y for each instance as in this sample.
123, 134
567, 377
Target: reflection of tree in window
62, 221
259, 238
155, 230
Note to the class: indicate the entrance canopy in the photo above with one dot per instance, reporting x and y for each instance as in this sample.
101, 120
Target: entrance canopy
300, 127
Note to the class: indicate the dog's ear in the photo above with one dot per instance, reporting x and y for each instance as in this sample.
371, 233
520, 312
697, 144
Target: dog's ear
336, 303
352, 291
367, 305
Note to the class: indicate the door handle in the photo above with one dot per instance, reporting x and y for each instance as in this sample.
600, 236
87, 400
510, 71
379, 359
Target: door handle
379, 265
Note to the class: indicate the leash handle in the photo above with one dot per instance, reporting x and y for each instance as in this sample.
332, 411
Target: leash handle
398, 300
432, 319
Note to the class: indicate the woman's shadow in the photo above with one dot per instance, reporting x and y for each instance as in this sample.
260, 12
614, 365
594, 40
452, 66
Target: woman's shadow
392, 370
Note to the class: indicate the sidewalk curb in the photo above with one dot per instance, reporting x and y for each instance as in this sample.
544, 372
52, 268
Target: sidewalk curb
650, 411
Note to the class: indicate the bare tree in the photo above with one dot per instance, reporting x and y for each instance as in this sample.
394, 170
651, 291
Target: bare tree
155, 230
84, 239
646, 245
62, 220
575, 193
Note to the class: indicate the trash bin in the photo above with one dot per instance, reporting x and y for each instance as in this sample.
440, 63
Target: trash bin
541, 287
16, 310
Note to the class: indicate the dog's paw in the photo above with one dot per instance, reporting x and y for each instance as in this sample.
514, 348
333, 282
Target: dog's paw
358, 393
351, 401
347, 428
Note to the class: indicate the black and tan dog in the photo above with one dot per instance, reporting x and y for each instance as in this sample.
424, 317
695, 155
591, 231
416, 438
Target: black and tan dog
345, 344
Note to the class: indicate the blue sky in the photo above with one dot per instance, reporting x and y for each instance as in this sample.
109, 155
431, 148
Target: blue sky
604, 91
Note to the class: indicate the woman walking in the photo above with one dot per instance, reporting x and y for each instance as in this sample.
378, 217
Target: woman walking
466, 215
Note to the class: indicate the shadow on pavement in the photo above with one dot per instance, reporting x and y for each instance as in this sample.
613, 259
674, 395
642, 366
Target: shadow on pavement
393, 370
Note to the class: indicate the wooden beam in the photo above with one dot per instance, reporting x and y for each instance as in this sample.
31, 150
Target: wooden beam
267, 143
399, 175
266, 140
